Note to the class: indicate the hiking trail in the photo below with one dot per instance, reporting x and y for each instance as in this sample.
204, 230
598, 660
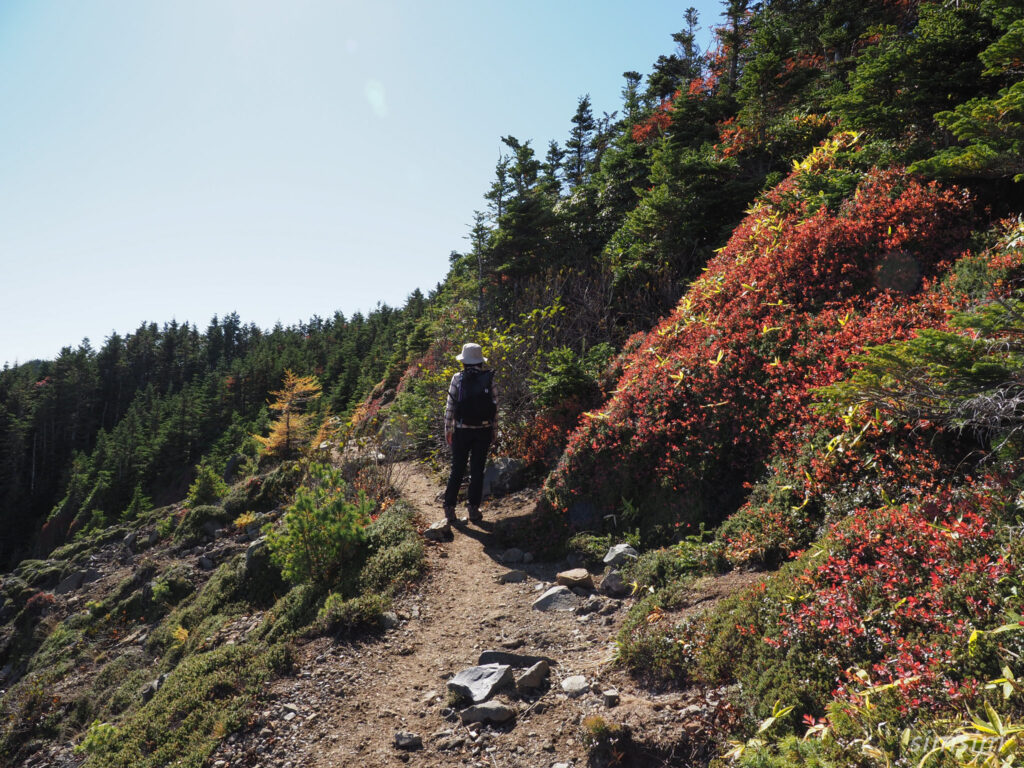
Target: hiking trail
347, 699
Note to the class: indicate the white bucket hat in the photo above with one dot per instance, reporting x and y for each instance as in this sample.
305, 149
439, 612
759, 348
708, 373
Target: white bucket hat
471, 354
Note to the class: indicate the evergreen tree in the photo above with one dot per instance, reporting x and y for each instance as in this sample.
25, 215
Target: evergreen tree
579, 147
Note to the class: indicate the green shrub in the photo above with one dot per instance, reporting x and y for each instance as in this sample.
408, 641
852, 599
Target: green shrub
593, 547
208, 487
291, 614
648, 644
191, 526
263, 493
206, 696
394, 551
352, 615
99, 738
660, 568
321, 532
568, 376
391, 568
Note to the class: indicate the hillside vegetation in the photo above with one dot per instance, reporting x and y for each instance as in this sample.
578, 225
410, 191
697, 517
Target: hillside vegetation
766, 316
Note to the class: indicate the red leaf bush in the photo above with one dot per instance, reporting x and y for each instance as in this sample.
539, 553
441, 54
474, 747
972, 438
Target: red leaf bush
725, 382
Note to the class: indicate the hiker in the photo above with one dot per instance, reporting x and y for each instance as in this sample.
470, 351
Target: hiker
469, 416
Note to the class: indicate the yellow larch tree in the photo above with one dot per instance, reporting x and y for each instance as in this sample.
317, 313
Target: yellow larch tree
291, 429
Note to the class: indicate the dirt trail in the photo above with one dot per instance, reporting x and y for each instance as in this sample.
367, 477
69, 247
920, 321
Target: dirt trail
346, 701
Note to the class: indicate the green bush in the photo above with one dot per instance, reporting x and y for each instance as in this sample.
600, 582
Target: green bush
567, 376
321, 531
394, 551
352, 615
191, 526
391, 568
208, 487
263, 493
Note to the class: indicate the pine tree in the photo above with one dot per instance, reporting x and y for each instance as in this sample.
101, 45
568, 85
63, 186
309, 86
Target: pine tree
579, 147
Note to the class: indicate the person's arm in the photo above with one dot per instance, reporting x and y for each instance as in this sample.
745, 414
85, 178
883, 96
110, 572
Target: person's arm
449, 409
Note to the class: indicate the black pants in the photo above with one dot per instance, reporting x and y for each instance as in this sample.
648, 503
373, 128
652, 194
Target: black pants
471, 445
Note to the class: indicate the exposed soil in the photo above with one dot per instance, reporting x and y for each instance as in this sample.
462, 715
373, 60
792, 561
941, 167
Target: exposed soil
347, 700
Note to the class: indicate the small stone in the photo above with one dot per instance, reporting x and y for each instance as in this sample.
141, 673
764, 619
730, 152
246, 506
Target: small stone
556, 599
405, 740
220, 763
130, 539
389, 620
154, 537
488, 712
533, 678
575, 686
576, 577
613, 585
206, 563
620, 554
512, 577
513, 555
611, 697
593, 605
289, 716
439, 531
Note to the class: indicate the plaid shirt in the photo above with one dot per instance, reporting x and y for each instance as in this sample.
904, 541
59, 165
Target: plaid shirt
449, 408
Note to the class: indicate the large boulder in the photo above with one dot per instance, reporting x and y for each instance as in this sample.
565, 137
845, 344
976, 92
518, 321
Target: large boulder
503, 476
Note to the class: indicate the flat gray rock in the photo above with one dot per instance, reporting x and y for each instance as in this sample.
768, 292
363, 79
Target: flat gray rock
481, 682
488, 712
520, 660
575, 686
512, 577
556, 599
533, 678
620, 554
70, 583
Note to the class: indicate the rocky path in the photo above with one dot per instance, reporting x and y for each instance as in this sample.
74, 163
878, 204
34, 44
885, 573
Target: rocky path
347, 701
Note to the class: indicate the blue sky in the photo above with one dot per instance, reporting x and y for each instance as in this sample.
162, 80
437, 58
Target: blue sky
176, 160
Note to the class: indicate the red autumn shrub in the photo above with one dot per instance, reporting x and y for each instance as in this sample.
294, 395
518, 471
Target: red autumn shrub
725, 382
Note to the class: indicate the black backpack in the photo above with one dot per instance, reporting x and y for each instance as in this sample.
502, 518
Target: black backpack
474, 402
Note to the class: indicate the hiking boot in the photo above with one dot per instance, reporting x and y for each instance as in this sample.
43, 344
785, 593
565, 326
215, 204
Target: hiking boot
449, 514
474, 515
